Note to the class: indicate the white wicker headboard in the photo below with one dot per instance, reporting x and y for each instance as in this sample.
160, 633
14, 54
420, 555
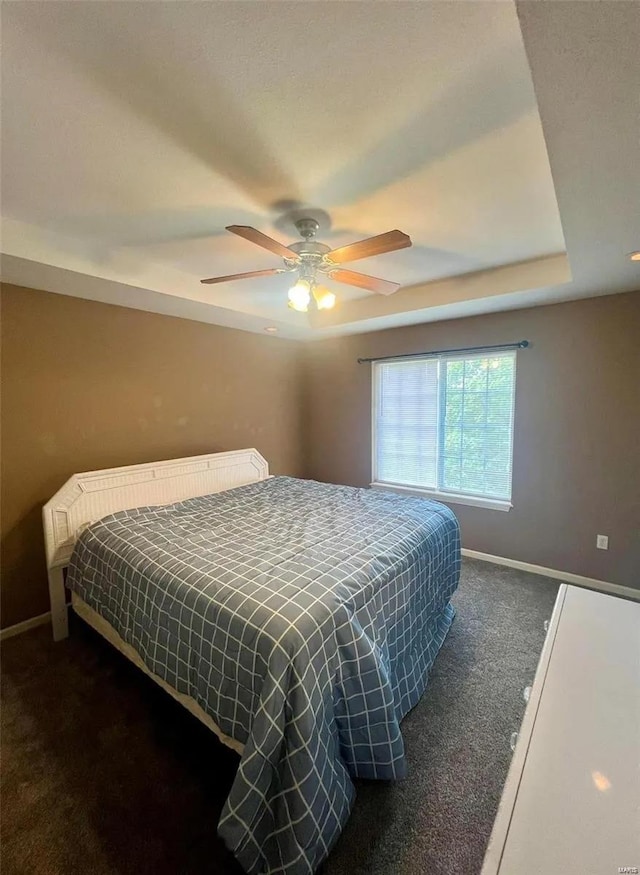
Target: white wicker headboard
86, 498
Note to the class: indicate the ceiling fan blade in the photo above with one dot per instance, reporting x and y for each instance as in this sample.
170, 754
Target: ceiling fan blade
388, 242
260, 239
363, 281
242, 276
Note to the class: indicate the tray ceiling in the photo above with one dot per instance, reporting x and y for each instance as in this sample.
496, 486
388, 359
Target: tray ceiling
134, 132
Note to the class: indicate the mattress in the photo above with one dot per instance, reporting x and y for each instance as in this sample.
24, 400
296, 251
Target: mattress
303, 618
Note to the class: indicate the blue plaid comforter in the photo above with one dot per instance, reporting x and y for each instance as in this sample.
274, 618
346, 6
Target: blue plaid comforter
304, 618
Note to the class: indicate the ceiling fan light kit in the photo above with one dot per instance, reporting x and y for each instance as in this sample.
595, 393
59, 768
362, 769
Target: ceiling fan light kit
310, 260
301, 293
300, 296
325, 300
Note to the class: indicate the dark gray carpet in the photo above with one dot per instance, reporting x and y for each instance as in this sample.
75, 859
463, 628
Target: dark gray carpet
103, 773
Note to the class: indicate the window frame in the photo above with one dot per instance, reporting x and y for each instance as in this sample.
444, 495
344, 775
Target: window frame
437, 493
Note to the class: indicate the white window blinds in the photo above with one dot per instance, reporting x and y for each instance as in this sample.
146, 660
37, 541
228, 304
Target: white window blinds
445, 424
407, 422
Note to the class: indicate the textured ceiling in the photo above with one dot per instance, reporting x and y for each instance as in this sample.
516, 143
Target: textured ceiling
134, 132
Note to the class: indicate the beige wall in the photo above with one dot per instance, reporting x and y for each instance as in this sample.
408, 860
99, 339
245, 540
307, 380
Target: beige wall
88, 385
577, 429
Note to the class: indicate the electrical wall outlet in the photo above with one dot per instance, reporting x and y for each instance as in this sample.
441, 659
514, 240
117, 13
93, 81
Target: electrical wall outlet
602, 542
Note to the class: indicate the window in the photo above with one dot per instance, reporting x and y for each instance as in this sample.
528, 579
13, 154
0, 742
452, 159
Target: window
445, 425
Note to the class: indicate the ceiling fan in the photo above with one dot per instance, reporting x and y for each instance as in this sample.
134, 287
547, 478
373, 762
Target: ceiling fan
311, 260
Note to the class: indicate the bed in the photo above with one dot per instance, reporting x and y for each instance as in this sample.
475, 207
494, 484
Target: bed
298, 620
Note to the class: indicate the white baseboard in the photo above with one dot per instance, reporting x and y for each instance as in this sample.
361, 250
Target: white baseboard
31, 623
626, 592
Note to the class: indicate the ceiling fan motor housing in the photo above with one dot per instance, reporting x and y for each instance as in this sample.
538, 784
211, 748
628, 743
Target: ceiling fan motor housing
309, 254
307, 228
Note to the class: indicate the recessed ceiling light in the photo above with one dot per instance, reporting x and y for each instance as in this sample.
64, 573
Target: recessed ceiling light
635, 256
271, 329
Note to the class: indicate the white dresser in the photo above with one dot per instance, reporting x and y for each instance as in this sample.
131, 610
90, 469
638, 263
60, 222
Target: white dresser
571, 802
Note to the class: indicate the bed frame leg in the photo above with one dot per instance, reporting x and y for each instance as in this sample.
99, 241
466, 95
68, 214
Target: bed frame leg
58, 599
